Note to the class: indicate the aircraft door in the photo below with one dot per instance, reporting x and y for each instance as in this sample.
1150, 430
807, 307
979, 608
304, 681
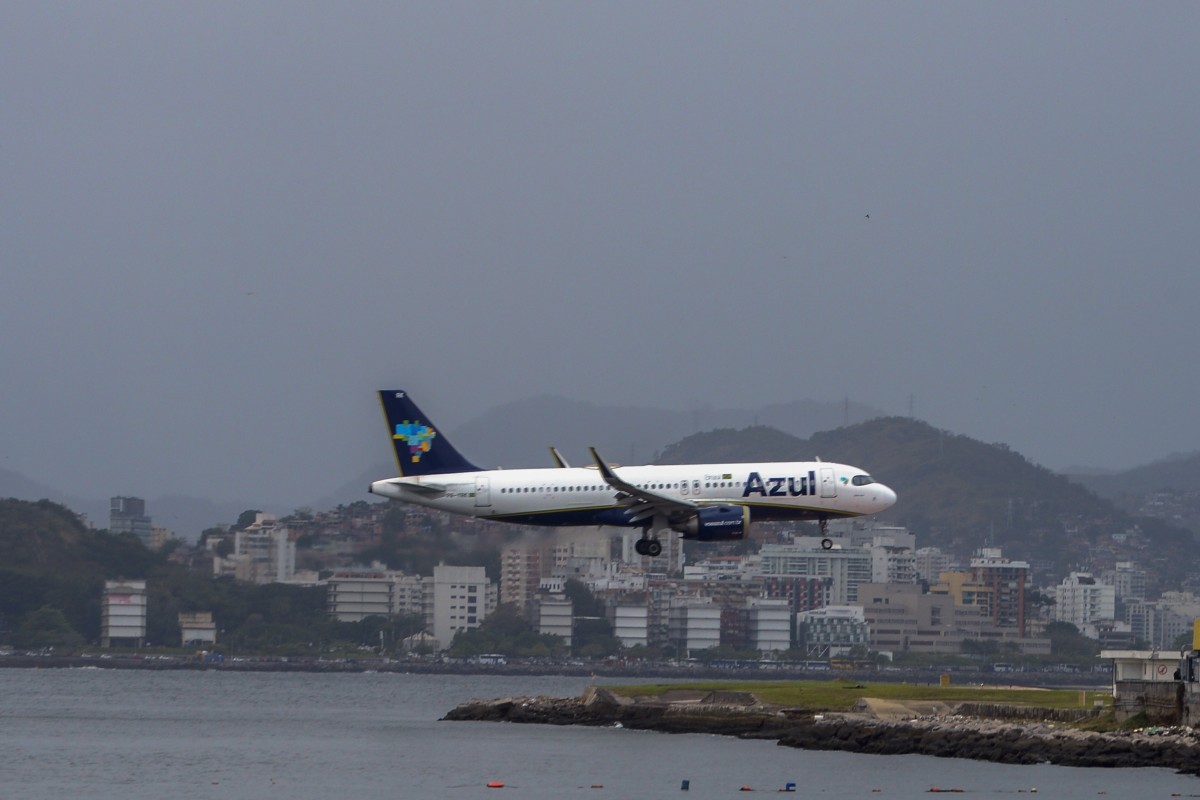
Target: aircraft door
483, 495
828, 484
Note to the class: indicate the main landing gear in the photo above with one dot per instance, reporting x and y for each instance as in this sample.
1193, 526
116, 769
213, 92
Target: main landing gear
648, 547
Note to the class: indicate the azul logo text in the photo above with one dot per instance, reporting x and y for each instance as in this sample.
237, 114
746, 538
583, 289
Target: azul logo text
782, 486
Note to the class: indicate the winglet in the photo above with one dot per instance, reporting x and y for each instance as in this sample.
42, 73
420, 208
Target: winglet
609, 476
605, 472
559, 461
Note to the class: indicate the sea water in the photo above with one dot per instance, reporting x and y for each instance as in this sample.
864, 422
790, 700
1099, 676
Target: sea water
116, 735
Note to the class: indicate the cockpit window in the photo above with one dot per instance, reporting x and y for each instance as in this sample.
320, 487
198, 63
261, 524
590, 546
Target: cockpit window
862, 480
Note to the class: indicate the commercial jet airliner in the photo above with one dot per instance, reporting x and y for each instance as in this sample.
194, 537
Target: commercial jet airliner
708, 502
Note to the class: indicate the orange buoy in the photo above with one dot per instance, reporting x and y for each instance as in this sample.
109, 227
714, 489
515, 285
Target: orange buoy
745, 789
495, 784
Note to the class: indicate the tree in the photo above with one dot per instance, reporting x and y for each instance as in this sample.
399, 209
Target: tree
46, 627
584, 603
1068, 643
505, 631
246, 519
593, 638
210, 532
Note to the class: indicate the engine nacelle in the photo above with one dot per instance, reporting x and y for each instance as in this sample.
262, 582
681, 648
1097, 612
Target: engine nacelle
716, 524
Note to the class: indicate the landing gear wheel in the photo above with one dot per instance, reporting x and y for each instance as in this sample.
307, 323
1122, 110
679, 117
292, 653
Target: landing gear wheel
654, 548
639, 546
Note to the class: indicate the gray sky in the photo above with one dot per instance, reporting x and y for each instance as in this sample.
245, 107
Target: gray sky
224, 225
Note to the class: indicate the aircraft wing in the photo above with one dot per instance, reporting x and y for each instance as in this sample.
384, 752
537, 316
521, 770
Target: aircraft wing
643, 503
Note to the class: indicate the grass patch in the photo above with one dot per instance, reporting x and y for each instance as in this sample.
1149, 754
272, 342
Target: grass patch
841, 695
1107, 723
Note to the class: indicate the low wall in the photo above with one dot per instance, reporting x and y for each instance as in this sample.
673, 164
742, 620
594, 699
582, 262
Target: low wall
1163, 702
1023, 713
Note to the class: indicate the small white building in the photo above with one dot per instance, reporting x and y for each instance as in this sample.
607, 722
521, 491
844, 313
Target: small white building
695, 626
197, 628
354, 595
631, 625
556, 616
770, 624
1142, 665
832, 630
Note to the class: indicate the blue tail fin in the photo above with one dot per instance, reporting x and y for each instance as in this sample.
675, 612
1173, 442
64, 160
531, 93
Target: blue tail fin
420, 448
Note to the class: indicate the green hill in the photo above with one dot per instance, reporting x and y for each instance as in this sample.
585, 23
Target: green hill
49, 558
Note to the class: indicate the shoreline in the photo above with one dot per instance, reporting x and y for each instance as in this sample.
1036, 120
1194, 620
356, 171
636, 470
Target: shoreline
944, 735
603, 670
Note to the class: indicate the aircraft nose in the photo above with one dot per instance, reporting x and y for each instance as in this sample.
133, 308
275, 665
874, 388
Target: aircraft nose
885, 496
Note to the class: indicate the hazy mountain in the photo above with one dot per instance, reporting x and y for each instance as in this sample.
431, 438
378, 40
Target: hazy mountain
518, 434
185, 515
1179, 472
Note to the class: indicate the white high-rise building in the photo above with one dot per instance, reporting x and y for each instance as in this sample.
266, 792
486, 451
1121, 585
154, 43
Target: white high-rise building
1129, 581
264, 552
1081, 599
460, 598
930, 562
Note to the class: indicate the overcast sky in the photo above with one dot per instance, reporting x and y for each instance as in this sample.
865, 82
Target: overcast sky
224, 225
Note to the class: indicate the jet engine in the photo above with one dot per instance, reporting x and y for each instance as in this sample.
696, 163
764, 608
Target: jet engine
715, 524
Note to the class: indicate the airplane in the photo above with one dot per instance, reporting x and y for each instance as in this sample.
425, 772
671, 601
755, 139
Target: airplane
706, 502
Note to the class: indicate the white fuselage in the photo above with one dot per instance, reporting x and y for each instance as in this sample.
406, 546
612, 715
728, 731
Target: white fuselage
581, 496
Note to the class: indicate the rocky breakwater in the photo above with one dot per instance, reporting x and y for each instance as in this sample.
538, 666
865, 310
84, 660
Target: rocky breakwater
946, 735
955, 736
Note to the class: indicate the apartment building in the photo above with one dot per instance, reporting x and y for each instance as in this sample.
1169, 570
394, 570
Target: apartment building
1082, 600
457, 599
845, 568
1007, 581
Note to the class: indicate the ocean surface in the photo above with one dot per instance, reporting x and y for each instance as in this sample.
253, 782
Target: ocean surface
122, 735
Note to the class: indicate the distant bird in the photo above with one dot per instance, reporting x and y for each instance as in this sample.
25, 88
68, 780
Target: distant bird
868, 216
